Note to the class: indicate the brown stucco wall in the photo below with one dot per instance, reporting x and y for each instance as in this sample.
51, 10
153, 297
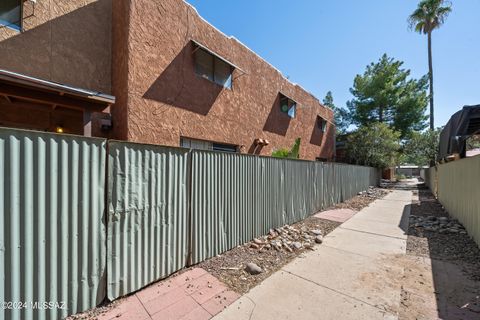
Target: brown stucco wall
166, 100
66, 41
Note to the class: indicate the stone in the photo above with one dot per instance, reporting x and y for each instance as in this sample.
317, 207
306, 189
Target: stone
317, 232
257, 241
254, 246
288, 249
253, 269
297, 245
319, 239
272, 233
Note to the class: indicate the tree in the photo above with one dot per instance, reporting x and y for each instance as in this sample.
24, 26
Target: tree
385, 93
429, 15
421, 148
374, 145
293, 153
341, 115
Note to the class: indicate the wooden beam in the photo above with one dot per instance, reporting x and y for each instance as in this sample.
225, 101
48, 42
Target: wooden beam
51, 98
87, 123
7, 98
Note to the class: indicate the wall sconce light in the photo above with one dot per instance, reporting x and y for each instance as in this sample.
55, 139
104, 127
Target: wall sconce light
106, 123
59, 129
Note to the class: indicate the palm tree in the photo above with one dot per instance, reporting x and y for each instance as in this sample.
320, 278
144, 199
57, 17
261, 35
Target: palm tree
429, 15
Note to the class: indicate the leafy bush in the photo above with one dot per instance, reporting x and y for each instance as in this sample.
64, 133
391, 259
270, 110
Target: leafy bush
374, 145
285, 153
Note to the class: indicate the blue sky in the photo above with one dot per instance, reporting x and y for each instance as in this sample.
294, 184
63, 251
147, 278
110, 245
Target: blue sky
323, 44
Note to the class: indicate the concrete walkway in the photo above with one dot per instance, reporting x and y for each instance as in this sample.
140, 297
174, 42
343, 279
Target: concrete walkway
354, 274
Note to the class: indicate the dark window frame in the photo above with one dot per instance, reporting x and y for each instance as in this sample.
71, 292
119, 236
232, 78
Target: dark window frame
17, 27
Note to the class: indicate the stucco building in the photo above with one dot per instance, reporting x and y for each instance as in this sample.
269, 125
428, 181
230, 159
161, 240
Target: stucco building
149, 71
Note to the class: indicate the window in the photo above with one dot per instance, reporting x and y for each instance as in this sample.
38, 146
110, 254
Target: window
207, 145
287, 106
322, 123
213, 68
11, 13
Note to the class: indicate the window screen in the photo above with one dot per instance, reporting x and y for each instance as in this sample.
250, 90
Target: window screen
207, 145
224, 147
204, 64
212, 68
11, 13
223, 73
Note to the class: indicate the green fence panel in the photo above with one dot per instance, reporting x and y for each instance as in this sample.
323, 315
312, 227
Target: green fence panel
147, 214
52, 224
235, 198
458, 192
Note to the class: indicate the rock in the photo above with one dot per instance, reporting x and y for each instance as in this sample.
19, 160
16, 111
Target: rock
453, 230
319, 239
253, 269
297, 245
317, 232
254, 246
288, 249
257, 241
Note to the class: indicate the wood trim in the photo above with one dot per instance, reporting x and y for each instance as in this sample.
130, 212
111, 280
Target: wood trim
50, 98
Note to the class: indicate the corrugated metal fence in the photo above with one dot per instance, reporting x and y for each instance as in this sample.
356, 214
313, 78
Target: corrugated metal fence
236, 198
147, 215
457, 190
166, 208
52, 223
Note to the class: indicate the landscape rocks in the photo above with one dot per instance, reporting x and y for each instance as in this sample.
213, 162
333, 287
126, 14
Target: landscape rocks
253, 269
319, 239
372, 192
287, 238
436, 224
279, 246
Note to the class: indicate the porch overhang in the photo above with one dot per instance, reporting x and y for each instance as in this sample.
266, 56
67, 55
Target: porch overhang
22, 91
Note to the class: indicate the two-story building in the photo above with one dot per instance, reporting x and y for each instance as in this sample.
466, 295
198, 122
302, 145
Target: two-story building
149, 71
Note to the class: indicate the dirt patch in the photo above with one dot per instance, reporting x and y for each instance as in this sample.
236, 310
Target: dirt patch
433, 233
441, 278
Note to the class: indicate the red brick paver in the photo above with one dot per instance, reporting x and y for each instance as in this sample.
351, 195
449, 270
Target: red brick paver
194, 294
338, 215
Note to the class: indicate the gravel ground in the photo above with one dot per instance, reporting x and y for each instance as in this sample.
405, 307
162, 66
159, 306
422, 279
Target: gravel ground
362, 200
450, 243
229, 267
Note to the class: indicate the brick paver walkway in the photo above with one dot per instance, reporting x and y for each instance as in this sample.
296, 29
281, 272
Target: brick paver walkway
338, 215
194, 294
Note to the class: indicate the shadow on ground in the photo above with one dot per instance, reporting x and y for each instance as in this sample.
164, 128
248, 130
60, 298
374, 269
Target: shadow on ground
443, 278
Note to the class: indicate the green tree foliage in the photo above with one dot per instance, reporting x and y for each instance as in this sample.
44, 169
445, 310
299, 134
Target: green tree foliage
421, 148
341, 115
375, 145
293, 153
385, 93
429, 15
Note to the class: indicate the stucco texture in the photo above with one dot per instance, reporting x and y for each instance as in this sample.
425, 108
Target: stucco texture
167, 100
63, 41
